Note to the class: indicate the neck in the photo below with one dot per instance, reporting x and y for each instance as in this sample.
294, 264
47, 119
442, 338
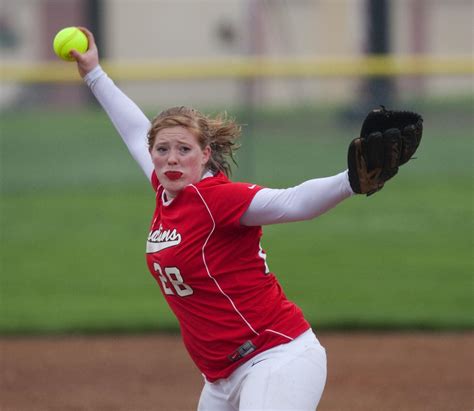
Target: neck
171, 195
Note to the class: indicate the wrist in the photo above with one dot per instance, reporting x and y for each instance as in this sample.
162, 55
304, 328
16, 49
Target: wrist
347, 184
93, 75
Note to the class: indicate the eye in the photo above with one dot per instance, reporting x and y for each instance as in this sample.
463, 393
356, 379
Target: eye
161, 149
185, 149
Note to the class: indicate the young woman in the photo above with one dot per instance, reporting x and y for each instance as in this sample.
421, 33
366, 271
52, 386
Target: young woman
254, 347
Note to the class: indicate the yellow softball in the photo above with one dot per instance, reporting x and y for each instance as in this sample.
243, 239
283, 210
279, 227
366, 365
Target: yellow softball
67, 39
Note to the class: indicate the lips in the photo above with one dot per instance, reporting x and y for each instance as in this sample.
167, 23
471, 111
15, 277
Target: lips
173, 175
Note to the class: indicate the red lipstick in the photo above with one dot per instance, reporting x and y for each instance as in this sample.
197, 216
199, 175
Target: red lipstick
173, 175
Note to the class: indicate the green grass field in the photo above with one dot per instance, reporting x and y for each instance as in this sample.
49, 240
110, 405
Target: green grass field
75, 211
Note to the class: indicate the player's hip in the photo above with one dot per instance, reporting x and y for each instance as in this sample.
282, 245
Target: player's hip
287, 375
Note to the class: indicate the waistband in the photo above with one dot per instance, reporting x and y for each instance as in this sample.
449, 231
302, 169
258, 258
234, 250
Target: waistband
248, 347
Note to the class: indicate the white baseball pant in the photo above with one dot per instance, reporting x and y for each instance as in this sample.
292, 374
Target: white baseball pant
289, 377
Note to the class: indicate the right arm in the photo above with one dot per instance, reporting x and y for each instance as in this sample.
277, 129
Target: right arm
126, 116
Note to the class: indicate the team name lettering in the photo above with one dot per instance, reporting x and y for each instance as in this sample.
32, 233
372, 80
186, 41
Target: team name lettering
160, 239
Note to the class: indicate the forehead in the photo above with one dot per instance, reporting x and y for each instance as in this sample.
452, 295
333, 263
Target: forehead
175, 134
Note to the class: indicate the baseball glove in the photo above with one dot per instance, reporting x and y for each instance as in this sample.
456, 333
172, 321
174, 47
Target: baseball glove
388, 139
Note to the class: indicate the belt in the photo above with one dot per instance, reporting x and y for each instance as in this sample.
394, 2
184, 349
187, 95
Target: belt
245, 349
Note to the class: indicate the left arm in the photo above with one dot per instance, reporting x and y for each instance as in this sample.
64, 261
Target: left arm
303, 202
388, 139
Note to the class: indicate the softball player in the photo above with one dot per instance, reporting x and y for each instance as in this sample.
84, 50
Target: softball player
253, 346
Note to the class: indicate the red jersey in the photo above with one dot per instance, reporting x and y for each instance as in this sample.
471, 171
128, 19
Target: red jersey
212, 272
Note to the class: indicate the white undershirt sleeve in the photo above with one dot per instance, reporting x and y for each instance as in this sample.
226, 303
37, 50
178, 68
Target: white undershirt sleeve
130, 122
303, 202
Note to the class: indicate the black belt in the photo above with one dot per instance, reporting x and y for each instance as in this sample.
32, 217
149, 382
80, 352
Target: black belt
245, 349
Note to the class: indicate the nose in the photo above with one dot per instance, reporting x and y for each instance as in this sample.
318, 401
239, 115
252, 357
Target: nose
172, 157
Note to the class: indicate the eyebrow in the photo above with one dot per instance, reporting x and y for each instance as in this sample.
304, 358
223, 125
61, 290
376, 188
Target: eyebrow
178, 142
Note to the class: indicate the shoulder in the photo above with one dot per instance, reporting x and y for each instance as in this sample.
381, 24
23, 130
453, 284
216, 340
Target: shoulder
225, 200
220, 185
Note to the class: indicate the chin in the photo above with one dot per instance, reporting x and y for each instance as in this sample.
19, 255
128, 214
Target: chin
173, 186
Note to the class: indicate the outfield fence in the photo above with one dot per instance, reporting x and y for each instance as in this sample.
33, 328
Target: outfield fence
246, 67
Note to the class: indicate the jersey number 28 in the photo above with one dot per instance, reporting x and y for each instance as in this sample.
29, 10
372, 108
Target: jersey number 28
172, 275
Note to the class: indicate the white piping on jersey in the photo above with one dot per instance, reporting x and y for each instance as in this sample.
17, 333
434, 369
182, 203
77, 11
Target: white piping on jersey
282, 335
207, 268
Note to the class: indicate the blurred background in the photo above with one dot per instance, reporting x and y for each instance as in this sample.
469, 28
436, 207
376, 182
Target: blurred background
300, 76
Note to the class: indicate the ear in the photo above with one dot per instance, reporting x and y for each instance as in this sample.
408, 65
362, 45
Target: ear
206, 153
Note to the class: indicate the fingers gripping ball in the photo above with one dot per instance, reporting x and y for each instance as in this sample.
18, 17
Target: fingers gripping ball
68, 39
